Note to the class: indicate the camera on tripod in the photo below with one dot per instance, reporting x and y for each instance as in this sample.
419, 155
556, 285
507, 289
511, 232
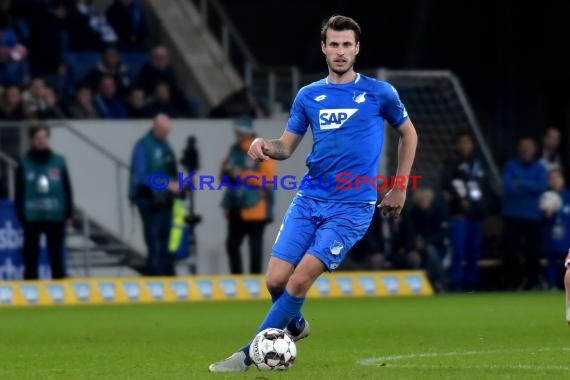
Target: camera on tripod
191, 162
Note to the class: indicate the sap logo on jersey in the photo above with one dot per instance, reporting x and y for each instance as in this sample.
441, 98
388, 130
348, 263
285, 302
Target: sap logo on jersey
335, 118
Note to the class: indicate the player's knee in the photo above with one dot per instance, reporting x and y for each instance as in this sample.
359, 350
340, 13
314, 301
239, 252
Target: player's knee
275, 283
299, 284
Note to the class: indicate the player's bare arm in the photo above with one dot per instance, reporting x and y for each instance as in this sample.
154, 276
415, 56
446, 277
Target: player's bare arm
277, 149
394, 200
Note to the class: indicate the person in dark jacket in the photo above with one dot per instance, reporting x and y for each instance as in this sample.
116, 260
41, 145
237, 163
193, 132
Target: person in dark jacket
107, 102
46, 43
158, 70
466, 187
524, 180
550, 156
247, 210
110, 65
90, 30
43, 202
128, 20
153, 154
162, 102
556, 228
377, 249
11, 105
424, 234
136, 104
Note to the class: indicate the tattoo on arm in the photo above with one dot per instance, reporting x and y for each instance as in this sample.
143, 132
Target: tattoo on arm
279, 150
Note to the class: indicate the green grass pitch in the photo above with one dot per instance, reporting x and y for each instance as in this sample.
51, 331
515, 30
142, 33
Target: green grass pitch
472, 336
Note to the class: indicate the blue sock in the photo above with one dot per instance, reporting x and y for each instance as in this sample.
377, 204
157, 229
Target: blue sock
297, 322
275, 295
281, 312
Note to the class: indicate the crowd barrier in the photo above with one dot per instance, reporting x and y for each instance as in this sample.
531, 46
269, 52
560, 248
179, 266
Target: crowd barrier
204, 288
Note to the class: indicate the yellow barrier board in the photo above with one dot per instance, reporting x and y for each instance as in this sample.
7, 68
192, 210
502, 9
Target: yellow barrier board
205, 288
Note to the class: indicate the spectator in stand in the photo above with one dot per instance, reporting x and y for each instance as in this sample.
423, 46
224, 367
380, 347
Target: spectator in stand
33, 97
551, 158
524, 180
136, 104
110, 65
47, 31
52, 110
162, 102
240, 102
158, 70
466, 187
556, 229
128, 20
424, 228
11, 107
14, 69
82, 106
106, 101
89, 30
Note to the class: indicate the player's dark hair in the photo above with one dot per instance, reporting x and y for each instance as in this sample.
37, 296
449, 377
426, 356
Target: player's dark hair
551, 128
339, 23
34, 130
464, 133
526, 137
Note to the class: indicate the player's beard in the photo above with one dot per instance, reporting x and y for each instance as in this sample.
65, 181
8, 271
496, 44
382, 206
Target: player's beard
342, 71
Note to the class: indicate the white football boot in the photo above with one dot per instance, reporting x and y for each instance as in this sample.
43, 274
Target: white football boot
238, 362
303, 334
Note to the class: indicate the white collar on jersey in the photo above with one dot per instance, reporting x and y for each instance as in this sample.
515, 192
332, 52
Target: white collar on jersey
355, 81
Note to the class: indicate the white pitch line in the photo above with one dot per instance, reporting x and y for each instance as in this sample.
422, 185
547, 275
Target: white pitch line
390, 358
525, 367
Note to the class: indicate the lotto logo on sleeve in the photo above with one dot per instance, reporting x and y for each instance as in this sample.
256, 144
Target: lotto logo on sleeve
335, 118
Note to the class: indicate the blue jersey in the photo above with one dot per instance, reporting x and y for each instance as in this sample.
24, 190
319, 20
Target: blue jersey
347, 122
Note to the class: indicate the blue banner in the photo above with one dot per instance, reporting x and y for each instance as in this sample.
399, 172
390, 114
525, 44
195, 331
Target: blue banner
11, 243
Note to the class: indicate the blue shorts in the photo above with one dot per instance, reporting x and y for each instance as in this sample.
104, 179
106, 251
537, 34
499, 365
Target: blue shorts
324, 229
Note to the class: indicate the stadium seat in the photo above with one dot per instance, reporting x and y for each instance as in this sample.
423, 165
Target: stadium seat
135, 61
79, 64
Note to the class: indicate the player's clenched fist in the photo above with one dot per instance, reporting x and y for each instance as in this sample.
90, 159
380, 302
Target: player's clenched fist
259, 149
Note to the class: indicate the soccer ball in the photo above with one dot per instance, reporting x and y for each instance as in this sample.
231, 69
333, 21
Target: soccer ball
550, 201
272, 350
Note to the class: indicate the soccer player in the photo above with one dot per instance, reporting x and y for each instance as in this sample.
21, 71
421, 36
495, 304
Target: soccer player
346, 112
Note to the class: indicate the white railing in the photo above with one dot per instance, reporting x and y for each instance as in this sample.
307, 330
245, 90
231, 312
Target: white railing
274, 87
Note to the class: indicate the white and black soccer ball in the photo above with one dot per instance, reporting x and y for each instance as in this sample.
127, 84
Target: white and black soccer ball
550, 201
272, 350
